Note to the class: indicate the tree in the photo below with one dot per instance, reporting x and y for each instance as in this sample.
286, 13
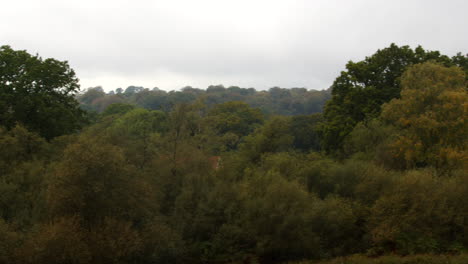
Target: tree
232, 121
431, 115
117, 109
22, 158
91, 94
420, 213
132, 90
359, 92
273, 136
461, 61
135, 131
39, 93
304, 129
94, 182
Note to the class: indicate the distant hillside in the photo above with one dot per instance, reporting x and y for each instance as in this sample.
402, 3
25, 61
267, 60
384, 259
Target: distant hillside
279, 101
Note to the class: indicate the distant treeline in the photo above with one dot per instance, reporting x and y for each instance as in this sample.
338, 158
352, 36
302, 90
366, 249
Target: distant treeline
278, 101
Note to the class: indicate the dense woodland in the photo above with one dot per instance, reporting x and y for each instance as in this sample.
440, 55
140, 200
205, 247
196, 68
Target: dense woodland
376, 165
275, 101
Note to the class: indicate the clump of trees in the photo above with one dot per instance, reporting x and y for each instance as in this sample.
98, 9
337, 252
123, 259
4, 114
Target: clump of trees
359, 92
138, 185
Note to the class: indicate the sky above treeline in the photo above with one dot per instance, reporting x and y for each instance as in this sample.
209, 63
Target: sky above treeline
248, 43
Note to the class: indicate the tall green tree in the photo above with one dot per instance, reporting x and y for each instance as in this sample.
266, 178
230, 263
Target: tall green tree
39, 93
360, 90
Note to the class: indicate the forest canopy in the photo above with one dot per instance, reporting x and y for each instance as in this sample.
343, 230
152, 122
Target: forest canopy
235, 175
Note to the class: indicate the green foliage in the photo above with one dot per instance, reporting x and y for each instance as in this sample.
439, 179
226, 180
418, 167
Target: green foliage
370, 141
420, 213
304, 128
279, 101
338, 223
117, 109
229, 122
275, 215
359, 92
274, 136
91, 95
461, 61
21, 177
137, 132
19, 145
237, 118
144, 186
92, 181
38, 93
430, 117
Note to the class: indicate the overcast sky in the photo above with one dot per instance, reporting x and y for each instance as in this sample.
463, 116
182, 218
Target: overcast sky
249, 43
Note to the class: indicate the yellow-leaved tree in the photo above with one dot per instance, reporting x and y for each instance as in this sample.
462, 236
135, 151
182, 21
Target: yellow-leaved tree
431, 115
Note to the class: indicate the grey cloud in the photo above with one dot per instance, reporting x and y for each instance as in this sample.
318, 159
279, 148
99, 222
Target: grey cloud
249, 43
